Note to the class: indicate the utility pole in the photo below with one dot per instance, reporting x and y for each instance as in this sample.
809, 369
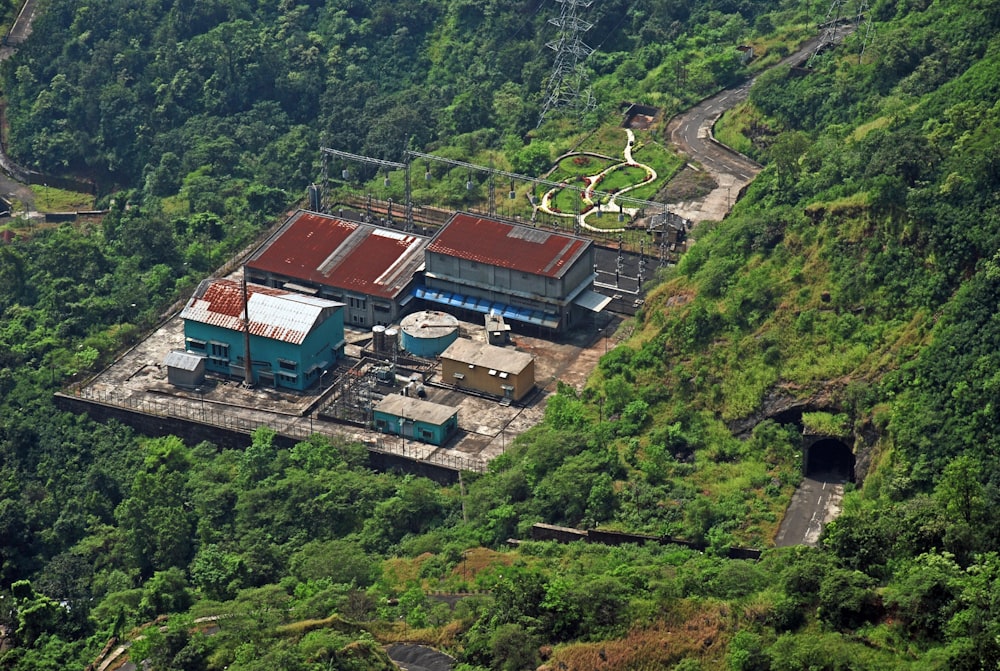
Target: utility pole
247, 365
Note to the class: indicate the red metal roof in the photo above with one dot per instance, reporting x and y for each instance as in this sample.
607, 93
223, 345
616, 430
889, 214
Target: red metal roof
325, 250
505, 245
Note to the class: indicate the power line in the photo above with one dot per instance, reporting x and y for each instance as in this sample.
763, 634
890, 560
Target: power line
663, 214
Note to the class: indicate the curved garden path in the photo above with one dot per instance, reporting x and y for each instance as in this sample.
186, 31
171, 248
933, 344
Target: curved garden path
611, 206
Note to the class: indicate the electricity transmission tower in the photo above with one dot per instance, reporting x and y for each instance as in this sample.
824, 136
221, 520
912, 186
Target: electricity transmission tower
568, 86
839, 21
864, 16
831, 28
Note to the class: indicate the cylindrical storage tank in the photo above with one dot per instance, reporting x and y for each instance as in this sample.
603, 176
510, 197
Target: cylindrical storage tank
315, 201
391, 340
428, 333
378, 339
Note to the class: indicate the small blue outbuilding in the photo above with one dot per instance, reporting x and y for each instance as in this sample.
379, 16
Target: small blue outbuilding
412, 418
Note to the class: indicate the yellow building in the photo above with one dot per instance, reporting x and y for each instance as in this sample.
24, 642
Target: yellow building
497, 371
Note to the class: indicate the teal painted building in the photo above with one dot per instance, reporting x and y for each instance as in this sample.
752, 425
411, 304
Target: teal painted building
419, 420
293, 338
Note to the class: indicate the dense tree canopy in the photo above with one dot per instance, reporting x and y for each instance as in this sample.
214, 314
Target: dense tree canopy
860, 269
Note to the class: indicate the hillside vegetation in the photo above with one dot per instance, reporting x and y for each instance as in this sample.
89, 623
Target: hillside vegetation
856, 282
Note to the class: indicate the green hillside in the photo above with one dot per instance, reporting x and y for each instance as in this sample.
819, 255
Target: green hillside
853, 290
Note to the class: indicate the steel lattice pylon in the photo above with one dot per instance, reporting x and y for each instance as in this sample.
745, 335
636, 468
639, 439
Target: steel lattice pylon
841, 18
568, 86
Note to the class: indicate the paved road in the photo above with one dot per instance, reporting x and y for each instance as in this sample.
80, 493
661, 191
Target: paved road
12, 187
815, 504
412, 657
691, 132
818, 499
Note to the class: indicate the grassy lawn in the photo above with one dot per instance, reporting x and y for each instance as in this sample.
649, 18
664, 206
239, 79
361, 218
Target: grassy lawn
609, 140
568, 200
622, 177
729, 129
665, 162
607, 221
51, 199
579, 165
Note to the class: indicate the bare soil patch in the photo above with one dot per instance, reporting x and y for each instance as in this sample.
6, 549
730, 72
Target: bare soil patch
689, 184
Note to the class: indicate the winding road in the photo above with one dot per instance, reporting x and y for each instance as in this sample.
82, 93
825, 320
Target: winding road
12, 184
691, 132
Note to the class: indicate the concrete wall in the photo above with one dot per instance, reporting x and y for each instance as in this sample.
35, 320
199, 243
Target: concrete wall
225, 438
551, 532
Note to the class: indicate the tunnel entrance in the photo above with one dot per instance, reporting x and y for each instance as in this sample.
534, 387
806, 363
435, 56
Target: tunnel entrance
829, 460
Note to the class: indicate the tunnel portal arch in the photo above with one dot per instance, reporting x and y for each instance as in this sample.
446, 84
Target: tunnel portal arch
829, 459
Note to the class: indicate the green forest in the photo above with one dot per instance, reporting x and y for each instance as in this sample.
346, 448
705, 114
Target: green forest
859, 275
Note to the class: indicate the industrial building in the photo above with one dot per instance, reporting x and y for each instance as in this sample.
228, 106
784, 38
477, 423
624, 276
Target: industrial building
413, 418
373, 271
293, 338
497, 371
528, 275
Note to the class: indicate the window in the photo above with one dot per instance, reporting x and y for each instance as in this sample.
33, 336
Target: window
358, 319
358, 303
503, 375
382, 307
381, 424
426, 435
285, 364
196, 344
290, 378
492, 372
220, 350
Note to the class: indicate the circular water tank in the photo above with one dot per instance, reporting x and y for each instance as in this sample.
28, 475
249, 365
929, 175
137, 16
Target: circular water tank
428, 333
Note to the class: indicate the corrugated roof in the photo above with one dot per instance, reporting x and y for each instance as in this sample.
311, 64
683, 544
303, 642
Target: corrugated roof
506, 245
182, 360
274, 313
325, 250
415, 409
480, 354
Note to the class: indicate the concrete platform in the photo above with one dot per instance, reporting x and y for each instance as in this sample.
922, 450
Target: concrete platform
137, 382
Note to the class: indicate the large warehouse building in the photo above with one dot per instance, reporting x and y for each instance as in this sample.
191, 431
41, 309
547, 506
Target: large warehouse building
528, 275
371, 270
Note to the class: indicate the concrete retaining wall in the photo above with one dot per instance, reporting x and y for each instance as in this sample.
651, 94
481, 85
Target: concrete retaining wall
551, 532
194, 432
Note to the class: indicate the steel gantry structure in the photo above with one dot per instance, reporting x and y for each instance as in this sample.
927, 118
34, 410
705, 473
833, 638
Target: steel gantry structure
378, 162
492, 175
